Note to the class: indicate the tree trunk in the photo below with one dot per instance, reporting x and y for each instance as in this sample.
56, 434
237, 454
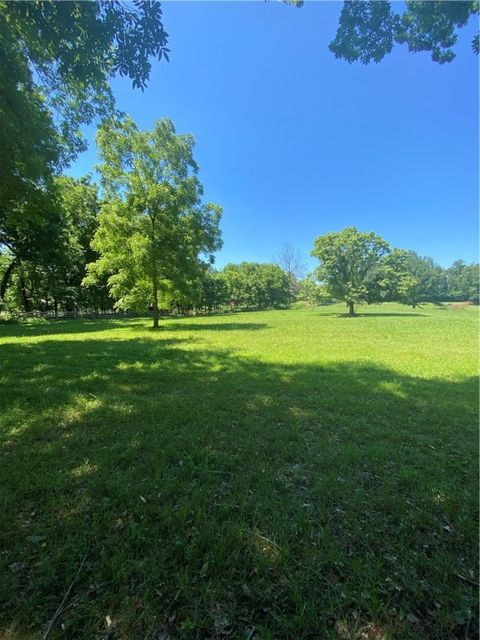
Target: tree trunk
155, 310
154, 277
26, 302
351, 308
6, 279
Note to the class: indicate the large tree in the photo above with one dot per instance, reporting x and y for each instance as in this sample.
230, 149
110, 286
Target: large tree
33, 231
213, 290
47, 256
348, 260
56, 59
67, 51
369, 29
80, 204
154, 231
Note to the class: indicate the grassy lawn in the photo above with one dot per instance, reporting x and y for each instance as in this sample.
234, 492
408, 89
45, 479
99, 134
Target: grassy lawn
278, 475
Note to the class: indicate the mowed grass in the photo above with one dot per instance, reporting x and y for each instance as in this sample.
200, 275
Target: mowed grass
274, 475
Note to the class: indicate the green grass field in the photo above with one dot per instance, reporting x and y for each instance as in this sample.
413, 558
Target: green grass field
274, 475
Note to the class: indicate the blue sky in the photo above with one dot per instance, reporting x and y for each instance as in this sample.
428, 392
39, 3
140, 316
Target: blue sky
294, 143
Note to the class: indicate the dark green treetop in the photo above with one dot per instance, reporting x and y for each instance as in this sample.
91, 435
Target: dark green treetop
368, 30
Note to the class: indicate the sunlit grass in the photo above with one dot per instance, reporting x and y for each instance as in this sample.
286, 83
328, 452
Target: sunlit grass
285, 474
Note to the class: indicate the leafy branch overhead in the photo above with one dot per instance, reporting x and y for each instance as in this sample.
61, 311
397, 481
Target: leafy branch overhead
61, 56
87, 41
369, 30
56, 59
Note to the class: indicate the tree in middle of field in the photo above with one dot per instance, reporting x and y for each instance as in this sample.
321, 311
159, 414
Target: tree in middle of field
155, 234
360, 267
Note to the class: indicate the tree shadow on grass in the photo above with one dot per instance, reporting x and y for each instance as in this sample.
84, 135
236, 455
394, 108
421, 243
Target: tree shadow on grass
63, 327
375, 314
217, 326
70, 326
221, 494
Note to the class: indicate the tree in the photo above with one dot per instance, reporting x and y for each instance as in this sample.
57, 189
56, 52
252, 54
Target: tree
26, 130
55, 62
7, 266
348, 260
50, 264
214, 290
154, 232
463, 281
62, 282
312, 292
257, 286
74, 47
291, 261
273, 286
430, 280
391, 279
33, 231
369, 30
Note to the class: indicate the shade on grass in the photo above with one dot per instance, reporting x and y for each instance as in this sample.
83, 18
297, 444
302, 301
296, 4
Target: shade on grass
289, 474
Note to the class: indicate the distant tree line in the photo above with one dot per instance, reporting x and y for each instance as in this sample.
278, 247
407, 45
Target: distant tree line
104, 262
433, 283
145, 239
358, 267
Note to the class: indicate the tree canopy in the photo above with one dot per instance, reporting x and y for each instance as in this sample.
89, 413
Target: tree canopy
56, 59
73, 48
430, 280
359, 267
254, 285
154, 232
368, 30
47, 260
463, 281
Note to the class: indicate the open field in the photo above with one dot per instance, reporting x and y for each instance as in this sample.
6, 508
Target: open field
273, 475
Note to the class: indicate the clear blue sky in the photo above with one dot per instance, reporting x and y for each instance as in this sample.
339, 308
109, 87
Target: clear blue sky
294, 143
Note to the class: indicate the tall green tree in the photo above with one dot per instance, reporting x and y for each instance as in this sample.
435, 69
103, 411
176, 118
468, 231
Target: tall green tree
80, 204
253, 285
154, 231
50, 264
33, 231
430, 280
391, 279
463, 281
214, 290
56, 59
348, 260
